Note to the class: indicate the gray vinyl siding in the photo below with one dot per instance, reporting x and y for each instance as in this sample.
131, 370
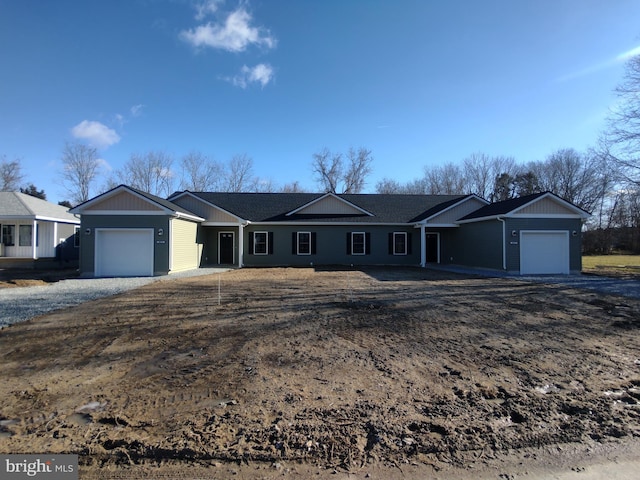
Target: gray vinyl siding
87, 242
563, 224
331, 246
475, 244
208, 237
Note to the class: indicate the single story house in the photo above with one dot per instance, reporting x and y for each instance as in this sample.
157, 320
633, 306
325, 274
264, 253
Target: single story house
35, 229
129, 232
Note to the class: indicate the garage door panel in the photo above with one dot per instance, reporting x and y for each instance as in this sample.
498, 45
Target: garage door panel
544, 252
124, 252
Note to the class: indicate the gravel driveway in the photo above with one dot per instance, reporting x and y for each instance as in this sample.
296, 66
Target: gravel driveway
19, 304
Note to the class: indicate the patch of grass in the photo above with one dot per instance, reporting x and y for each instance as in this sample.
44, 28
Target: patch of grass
615, 265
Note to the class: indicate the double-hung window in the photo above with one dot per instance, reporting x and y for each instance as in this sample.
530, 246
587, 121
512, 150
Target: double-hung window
260, 243
9, 235
358, 243
303, 243
25, 235
399, 243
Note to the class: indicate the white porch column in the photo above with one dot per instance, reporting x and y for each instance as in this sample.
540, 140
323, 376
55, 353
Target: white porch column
34, 239
423, 246
240, 245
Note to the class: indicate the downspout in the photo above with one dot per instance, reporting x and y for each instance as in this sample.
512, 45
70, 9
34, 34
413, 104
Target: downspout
504, 245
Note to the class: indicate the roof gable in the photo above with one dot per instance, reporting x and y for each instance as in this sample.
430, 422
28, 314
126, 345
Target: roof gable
329, 204
204, 209
447, 213
125, 200
545, 204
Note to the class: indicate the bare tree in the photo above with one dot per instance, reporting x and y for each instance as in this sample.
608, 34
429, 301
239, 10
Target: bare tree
293, 187
357, 171
328, 169
200, 173
80, 168
336, 177
622, 139
150, 172
238, 176
10, 175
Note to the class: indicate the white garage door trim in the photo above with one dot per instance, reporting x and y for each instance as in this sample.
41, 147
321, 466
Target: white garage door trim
544, 252
124, 252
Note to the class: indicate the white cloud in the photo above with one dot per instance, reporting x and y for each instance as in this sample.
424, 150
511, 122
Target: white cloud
98, 134
262, 73
136, 110
207, 7
234, 35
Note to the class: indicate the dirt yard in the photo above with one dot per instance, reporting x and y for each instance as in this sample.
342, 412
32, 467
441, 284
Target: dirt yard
379, 373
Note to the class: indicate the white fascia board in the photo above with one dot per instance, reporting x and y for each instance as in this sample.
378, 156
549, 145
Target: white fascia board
59, 220
322, 197
330, 224
480, 219
188, 216
128, 212
543, 215
223, 224
436, 225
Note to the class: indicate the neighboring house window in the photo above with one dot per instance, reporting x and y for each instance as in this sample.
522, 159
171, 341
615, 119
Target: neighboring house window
9, 235
25, 233
261, 243
303, 243
76, 236
358, 243
399, 243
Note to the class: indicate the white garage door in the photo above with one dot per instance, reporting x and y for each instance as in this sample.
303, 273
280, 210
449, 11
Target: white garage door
544, 252
124, 252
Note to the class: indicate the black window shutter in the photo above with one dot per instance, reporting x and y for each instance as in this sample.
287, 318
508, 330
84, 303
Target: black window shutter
294, 250
270, 243
251, 234
348, 243
313, 243
409, 235
367, 240
391, 243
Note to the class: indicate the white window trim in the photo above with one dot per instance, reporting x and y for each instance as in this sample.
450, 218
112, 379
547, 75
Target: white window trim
298, 252
76, 236
405, 243
266, 243
364, 243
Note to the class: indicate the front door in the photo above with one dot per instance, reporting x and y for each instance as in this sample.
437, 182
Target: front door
225, 248
433, 248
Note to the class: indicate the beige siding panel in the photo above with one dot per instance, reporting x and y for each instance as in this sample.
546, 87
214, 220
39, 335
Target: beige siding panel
457, 212
124, 201
185, 251
331, 206
545, 206
209, 213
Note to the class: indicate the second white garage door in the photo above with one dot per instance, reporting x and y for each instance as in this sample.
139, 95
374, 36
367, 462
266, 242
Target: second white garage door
124, 252
544, 252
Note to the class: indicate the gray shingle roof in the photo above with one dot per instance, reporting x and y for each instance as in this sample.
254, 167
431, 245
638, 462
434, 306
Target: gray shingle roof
16, 204
273, 207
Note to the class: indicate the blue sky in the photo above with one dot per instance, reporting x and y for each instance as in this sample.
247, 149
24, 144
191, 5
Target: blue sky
418, 82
